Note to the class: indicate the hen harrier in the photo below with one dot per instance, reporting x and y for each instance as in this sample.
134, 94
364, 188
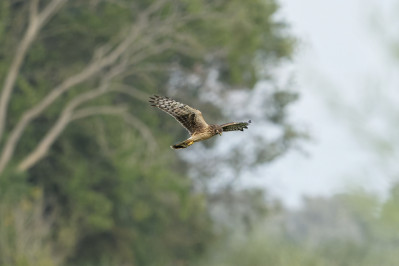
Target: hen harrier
193, 121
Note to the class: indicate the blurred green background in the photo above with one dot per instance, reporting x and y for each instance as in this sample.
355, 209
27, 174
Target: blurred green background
86, 173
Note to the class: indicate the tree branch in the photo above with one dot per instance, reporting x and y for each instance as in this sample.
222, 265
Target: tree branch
147, 43
33, 9
36, 21
98, 110
35, 111
63, 120
68, 114
42, 149
143, 129
50, 9
131, 91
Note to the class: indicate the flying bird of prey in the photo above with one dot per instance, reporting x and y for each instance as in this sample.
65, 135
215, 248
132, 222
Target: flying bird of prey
193, 121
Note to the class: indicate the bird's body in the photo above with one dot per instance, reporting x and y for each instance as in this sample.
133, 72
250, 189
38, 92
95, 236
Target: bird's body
207, 133
193, 121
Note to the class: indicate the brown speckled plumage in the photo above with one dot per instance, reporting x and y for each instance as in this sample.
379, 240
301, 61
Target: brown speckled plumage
193, 121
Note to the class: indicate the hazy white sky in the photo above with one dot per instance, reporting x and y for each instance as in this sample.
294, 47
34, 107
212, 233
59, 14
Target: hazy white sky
339, 53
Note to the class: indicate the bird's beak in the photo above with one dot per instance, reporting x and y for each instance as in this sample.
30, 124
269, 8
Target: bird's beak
220, 133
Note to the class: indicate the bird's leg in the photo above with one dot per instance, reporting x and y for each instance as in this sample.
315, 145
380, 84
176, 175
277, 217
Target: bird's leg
190, 143
183, 144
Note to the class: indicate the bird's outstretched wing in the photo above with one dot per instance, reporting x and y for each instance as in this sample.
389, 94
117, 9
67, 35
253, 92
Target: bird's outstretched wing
234, 126
189, 117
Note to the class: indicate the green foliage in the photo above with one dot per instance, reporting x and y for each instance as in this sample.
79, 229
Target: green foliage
24, 231
102, 195
239, 38
258, 249
350, 229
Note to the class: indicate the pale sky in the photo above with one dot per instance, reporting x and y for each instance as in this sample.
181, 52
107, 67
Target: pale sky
338, 56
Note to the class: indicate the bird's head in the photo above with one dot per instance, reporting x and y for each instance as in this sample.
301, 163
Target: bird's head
218, 130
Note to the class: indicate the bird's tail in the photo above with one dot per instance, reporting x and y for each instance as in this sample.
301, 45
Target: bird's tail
182, 145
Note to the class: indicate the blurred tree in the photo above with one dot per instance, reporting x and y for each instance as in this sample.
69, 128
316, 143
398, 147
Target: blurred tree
75, 123
349, 229
352, 228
